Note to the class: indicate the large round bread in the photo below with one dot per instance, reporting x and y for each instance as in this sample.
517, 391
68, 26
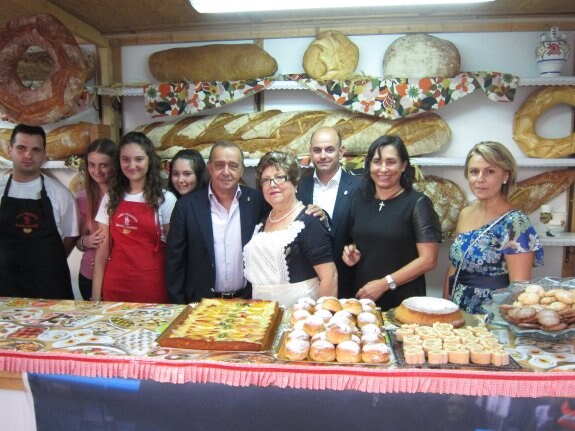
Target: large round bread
421, 56
58, 96
331, 56
218, 62
427, 310
525, 121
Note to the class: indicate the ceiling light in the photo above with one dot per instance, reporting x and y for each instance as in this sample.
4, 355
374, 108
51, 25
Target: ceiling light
224, 6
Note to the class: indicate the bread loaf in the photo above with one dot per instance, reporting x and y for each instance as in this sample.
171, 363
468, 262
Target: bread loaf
421, 56
259, 132
447, 197
59, 94
71, 140
535, 191
219, 62
525, 120
331, 56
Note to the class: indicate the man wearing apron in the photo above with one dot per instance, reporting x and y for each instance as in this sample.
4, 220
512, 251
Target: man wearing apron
38, 223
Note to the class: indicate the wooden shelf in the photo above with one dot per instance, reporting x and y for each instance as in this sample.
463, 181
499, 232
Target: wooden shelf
523, 163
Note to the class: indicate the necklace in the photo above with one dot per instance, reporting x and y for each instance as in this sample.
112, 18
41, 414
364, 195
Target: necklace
297, 204
382, 201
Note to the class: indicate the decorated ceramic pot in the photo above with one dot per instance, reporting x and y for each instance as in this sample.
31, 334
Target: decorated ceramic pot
552, 52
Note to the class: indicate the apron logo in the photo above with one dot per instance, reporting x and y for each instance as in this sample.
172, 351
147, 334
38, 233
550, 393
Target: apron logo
27, 221
126, 223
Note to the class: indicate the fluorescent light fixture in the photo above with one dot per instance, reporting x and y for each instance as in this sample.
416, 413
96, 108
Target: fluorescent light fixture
225, 6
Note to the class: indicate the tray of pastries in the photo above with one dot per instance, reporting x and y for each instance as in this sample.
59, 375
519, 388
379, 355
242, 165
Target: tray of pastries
224, 324
543, 308
443, 346
335, 331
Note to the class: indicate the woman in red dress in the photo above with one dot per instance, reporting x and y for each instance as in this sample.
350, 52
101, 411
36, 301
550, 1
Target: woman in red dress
135, 217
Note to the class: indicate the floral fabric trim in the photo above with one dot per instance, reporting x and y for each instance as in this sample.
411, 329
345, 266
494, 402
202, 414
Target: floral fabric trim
173, 99
386, 98
397, 98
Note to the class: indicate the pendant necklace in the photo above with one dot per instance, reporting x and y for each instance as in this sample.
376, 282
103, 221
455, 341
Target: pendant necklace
382, 201
284, 216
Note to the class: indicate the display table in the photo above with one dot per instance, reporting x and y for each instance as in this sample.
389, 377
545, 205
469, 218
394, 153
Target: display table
107, 351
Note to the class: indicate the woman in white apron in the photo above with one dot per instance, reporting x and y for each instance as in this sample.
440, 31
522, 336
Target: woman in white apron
290, 255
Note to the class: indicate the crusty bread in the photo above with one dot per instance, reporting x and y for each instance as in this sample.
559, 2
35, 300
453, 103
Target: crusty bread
71, 140
524, 122
447, 197
421, 56
259, 132
218, 62
331, 56
58, 96
535, 191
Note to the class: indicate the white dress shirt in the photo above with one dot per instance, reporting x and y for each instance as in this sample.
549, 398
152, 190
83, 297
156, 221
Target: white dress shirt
324, 195
228, 247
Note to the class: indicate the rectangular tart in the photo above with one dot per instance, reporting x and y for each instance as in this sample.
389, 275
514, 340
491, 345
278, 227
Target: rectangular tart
224, 324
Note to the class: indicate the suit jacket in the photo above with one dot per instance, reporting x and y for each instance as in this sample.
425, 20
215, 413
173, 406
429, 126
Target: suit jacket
190, 260
348, 185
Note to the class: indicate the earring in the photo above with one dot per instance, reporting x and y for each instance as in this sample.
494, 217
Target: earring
505, 182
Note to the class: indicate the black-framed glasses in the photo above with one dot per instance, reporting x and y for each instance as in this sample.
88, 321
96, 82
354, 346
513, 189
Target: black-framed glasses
267, 182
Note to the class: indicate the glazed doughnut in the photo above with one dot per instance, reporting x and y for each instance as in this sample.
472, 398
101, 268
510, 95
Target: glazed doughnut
524, 130
59, 94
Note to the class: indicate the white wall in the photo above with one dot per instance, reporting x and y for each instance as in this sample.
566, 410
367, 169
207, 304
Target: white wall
471, 119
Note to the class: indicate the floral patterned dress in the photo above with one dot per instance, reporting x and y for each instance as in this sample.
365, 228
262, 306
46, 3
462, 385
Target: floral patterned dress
484, 268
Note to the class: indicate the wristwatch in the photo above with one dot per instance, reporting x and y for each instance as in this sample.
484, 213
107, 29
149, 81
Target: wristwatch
390, 283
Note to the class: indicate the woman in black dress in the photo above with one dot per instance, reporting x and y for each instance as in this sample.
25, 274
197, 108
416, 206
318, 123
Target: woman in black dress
395, 230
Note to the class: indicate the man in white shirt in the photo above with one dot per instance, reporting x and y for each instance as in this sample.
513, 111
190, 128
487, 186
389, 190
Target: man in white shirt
331, 188
208, 230
38, 223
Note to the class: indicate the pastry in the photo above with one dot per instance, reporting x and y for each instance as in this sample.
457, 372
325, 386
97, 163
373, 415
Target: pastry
353, 306
426, 310
348, 352
375, 353
296, 349
313, 324
338, 332
224, 324
322, 351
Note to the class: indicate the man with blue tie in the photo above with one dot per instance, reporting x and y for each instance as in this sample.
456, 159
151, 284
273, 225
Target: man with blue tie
331, 188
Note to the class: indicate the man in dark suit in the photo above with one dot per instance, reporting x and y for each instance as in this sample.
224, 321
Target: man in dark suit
331, 188
208, 230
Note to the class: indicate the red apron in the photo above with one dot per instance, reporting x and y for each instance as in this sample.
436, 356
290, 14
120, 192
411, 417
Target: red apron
135, 270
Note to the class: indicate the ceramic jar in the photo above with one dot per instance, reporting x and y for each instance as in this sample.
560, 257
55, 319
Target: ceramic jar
552, 52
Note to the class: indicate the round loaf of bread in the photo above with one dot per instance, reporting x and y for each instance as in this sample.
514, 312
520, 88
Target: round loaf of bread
421, 56
426, 310
331, 56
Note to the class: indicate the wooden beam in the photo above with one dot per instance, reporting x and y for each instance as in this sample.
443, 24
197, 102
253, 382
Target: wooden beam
364, 26
79, 28
110, 61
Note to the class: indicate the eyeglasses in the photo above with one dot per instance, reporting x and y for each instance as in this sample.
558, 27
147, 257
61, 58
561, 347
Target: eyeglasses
267, 182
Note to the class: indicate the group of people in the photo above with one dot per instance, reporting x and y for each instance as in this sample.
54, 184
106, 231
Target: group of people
330, 233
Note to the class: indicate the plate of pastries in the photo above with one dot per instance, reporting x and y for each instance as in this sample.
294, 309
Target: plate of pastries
335, 331
543, 309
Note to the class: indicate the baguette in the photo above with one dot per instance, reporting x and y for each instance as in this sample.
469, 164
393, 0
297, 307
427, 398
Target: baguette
535, 191
257, 133
219, 62
71, 140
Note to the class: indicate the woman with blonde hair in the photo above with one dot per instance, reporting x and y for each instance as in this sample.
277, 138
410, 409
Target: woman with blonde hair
495, 244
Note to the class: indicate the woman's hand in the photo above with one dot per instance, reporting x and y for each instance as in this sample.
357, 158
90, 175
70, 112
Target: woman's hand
94, 239
351, 255
372, 290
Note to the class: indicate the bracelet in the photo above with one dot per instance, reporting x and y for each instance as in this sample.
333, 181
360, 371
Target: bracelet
80, 244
